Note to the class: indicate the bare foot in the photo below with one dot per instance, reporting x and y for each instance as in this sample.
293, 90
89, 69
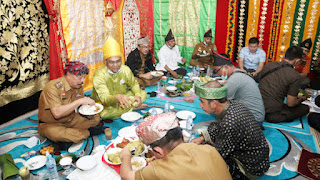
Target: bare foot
142, 106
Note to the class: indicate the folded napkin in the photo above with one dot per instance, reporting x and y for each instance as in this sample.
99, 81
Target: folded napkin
8, 167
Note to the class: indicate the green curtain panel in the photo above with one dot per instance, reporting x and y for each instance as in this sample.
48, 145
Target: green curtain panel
188, 19
24, 60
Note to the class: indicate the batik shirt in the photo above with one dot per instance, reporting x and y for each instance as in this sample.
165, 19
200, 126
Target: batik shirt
237, 135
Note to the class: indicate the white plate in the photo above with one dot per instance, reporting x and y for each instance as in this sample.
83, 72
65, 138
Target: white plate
173, 82
111, 151
75, 147
131, 116
185, 114
139, 160
171, 88
36, 162
203, 55
202, 69
128, 132
90, 110
156, 73
86, 163
159, 111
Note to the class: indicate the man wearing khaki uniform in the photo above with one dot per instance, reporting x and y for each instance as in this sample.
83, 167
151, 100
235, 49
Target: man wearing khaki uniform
58, 120
202, 52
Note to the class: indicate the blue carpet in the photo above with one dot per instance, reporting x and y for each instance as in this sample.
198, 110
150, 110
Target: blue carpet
285, 139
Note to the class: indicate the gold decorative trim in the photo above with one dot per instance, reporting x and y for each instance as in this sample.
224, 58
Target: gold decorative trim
299, 20
263, 21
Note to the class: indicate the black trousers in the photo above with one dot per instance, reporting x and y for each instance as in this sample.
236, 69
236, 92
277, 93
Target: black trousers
181, 71
287, 114
314, 121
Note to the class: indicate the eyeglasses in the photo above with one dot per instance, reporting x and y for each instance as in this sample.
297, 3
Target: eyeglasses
144, 47
216, 71
114, 62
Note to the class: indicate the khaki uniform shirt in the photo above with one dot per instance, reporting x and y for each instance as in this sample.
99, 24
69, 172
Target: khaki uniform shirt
277, 85
56, 93
187, 161
207, 59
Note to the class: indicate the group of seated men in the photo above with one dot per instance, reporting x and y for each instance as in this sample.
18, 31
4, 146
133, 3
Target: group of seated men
240, 107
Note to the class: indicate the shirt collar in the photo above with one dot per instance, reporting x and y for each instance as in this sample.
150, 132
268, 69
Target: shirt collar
66, 86
224, 112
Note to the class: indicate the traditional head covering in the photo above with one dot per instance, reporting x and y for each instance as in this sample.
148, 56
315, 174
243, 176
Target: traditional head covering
220, 59
155, 127
208, 33
210, 93
143, 40
306, 44
111, 48
169, 36
77, 68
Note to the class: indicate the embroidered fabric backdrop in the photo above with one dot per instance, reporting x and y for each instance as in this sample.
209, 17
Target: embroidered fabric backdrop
188, 19
278, 24
146, 21
24, 55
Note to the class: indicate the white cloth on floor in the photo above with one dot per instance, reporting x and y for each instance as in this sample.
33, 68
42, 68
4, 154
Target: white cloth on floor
101, 171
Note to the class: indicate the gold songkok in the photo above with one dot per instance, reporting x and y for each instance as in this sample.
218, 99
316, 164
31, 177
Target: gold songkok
210, 93
111, 48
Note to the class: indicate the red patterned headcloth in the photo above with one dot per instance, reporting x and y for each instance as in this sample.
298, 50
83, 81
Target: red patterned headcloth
155, 127
77, 68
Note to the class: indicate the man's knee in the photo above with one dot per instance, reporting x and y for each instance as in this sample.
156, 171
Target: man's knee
276, 117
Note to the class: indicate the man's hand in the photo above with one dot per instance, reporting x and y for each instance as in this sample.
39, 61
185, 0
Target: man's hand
124, 100
183, 60
146, 76
125, 153
138, 99
254, 73
87, 101
174, 74
198, 140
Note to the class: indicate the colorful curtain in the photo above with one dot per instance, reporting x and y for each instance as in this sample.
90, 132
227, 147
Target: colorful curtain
57, 51
24, 51
188, 19
146, 21
85, 28
278, 24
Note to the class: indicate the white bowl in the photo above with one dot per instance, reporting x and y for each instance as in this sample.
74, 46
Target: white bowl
171, 88
86, 163
159, 111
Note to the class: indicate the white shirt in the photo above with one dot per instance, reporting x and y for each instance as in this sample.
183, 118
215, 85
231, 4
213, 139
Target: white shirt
169, 57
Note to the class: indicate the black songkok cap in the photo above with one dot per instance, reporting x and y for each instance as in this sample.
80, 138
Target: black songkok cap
306, 44
221, 59
208, 33
169, 36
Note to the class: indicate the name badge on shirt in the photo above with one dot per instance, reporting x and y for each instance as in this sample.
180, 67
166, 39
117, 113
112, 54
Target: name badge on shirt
63, 95
78, 95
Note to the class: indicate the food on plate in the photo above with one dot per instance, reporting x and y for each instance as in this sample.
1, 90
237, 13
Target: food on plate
123, 143
186, 94
91, 109
136, 146
189, 100
304, 93
136, 164
50, 149
203, 52
149, 154
184, 86
114, 158
173, 94
205, 79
